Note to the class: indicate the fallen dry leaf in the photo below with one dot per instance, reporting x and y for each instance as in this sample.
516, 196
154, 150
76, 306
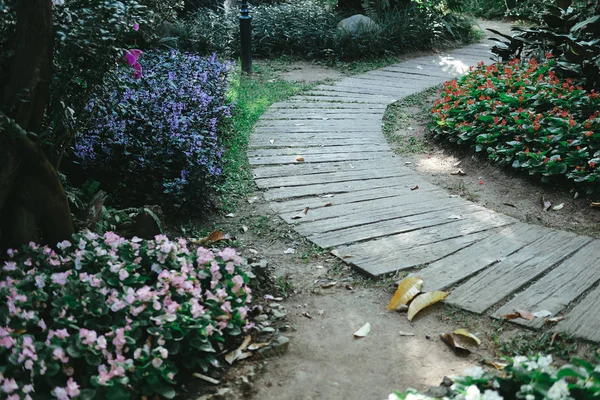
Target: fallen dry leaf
348, 256
455, 217
414, 187
300, 159
458, 349
307, 315
297, 216
554, 336
327, 196
595, 204
525, 314
329, 284
206, 378
349, 287
542, 314
305, 211
459, 172
554, 320
467, 334
245, 343
252, 200
423, 301
408, 288
289, 250
244, 228
511, 316
558, 207
546, 204
498, 365
510, 205
402, 333
232, 356
230, 215
256, 346
364, 331
272, 141
215, 236
328, 205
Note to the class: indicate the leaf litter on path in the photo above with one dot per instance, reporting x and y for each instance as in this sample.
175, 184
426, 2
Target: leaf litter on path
408, 288
363, 331
423, 301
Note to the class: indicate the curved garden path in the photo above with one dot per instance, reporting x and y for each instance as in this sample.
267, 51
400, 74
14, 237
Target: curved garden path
325, 150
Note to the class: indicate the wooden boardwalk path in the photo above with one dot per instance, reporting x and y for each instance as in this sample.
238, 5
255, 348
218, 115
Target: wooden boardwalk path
324, 149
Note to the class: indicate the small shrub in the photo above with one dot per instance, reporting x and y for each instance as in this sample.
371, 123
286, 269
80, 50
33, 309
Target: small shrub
159, 139
524, 116
527, 378
109, 318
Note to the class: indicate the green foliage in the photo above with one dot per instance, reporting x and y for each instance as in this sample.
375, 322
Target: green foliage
531, 378
524, 116
108, 318
571, 34
308, 29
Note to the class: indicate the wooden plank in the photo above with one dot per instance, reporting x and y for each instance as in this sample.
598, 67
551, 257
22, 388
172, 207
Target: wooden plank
316, 202
515, 271
339, 209
396, 88
264, 141
363, 91
449, 271
299, 169
331, 177
369, 258
329, 188
344, 99
319, 123
559, 288
351, 131
427, 231
583, 320
398, 79
295, 104
383, 210
291, 117
317, 158
305, 151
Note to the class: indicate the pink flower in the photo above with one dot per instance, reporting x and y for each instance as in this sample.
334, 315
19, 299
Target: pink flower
136, 26
64, 244
10, 266
60, 278
61, 334
229, 267
238, 282
87, 337
61, 393
119, 340
123, 274
72, 388
228, 254
226, 307
9, 386
164, 353
204, 256
157, 362
59, 354
101, 343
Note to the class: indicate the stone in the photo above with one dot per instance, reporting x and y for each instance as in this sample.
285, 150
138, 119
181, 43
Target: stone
222, 394
277, 348
357, 24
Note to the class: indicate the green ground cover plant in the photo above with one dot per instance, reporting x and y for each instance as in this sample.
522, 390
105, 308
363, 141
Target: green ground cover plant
529, 378
523, 115
104, 317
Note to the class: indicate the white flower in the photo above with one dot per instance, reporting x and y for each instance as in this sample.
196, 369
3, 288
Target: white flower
518, 360
491, 395
559, 390
475, 372
473, 393
529, 397
544, 361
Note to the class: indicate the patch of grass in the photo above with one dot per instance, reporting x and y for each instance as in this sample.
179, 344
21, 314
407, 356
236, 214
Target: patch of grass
253, 95
531, 343
463, 191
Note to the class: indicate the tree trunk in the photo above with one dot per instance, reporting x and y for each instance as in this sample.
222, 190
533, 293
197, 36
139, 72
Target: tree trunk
33, 204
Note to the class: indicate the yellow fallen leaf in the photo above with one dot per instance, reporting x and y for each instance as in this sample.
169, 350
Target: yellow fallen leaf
424, 301
215, 236
364, 331
467, 334
300, 159
408, 288
458, 349
525, 314
245, 343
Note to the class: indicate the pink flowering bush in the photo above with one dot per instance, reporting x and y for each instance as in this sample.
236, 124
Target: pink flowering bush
108, 318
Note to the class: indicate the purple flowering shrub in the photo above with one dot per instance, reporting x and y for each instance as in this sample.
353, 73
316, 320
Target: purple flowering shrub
109, 318
159, 139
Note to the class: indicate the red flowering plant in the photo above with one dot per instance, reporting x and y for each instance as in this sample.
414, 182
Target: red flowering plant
523, 115
108, 318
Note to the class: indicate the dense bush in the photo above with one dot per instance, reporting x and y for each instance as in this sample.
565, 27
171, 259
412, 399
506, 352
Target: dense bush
570, 34
524, 116
109, 318
158, 139
309, 29
527, 378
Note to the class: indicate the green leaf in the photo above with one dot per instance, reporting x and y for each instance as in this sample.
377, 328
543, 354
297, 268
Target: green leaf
164, 390
87, 394
118, 392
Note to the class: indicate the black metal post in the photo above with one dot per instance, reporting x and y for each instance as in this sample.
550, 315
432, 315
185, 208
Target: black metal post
246, 37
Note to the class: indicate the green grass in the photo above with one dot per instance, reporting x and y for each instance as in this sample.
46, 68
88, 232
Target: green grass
253, 95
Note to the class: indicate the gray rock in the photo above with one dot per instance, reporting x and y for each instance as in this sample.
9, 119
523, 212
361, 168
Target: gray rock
357, 24
278, 347
222, 394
